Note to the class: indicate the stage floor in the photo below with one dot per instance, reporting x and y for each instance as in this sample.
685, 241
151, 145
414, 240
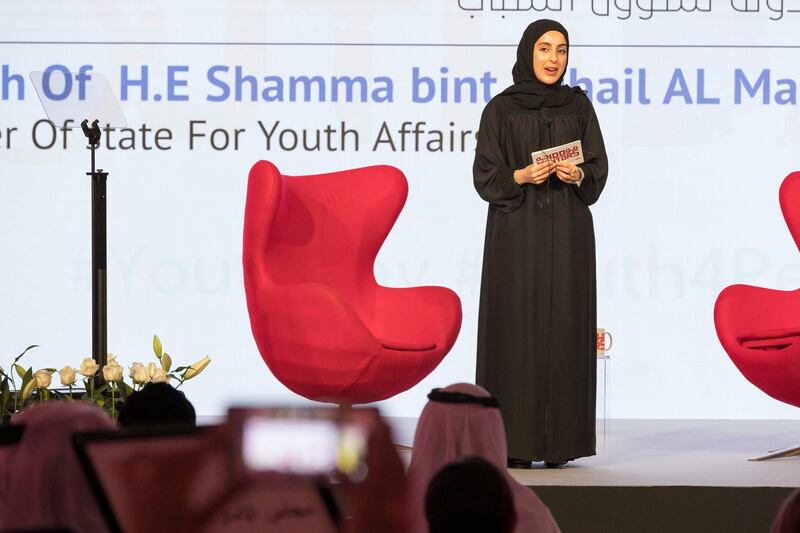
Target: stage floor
668, 453
665, 476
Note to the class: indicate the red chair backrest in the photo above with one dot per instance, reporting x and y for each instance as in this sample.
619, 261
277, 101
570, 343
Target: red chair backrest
324, 228
789, 196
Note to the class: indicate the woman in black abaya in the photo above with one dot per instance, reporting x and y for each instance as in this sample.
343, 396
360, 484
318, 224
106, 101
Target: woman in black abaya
538, 313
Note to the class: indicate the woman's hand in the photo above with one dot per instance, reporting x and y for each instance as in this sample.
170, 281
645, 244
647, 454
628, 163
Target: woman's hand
534, 173
569, 173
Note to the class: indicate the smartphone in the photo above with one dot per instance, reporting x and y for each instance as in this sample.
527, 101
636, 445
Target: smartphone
303, 441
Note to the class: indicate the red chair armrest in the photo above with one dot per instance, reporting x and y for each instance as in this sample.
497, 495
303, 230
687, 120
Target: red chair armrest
418, 316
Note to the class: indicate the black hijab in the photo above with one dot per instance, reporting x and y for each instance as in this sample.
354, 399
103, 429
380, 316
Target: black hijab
528, 90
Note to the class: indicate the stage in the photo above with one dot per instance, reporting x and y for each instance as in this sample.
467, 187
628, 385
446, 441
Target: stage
666, 476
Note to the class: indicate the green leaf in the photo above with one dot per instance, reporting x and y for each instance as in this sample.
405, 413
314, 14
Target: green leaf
27, 376
25, 351
51, 370
124, 390
60, 395
157, 349
20, 370
5, 395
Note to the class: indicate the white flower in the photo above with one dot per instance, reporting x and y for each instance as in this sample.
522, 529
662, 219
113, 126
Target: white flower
88, 367
138, 373
67, 375
161, 376
43, 378
196, 368
152, 368
112, 371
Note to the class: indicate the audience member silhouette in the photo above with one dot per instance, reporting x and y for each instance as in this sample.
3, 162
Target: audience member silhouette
157, 404
469, 496
194, 485
41, 483
459, 421
788, 518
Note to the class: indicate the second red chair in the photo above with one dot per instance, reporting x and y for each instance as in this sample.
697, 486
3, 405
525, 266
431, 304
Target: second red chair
759, 328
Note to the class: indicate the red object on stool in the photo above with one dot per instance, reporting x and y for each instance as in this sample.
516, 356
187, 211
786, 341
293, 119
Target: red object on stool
760, 328
323, 325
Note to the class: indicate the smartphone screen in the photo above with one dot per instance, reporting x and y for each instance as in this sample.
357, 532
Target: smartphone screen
304, 444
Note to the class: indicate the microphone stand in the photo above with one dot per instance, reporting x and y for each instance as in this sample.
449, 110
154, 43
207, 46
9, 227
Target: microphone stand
99, 273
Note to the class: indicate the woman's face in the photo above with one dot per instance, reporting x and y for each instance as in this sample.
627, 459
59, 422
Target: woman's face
550, 57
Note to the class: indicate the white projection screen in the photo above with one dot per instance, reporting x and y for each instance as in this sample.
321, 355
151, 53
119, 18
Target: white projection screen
697, 100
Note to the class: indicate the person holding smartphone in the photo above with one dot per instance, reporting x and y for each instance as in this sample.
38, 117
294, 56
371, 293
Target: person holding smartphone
538, 314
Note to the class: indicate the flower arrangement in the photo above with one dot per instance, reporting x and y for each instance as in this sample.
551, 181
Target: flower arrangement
35, 386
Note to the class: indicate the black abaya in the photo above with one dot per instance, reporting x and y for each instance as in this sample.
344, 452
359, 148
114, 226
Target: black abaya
538, 316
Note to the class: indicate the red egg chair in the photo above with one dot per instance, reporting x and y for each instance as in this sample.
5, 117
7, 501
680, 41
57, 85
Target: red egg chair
323, 325
760, 328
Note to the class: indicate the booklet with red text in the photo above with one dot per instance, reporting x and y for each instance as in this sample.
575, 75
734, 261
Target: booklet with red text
569, 153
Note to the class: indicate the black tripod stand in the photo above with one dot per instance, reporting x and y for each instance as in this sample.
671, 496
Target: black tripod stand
99, 273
